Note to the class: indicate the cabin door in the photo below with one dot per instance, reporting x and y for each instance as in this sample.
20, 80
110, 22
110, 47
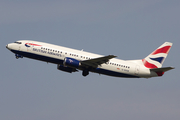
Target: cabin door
29, 46
137, 68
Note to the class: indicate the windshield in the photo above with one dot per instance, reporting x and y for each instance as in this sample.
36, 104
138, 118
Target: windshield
17, 42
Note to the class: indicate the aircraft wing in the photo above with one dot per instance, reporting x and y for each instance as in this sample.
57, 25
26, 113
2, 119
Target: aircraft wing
97, 61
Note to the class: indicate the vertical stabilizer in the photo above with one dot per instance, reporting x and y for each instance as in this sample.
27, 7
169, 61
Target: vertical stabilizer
156, 58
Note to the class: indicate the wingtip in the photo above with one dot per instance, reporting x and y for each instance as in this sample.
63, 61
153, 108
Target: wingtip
113, 55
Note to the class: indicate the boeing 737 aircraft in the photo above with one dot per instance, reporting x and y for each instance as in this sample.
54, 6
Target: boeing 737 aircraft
71, 60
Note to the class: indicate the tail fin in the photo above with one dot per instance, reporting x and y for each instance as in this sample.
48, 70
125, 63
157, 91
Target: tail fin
156, 58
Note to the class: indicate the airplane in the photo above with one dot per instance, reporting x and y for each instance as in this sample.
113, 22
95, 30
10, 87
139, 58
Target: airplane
71, 60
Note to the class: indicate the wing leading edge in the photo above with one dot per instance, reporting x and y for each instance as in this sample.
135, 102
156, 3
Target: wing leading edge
97, 61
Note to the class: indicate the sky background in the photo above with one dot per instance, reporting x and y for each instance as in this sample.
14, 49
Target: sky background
130, 29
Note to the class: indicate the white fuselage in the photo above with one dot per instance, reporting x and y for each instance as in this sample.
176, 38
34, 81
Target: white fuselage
56, 54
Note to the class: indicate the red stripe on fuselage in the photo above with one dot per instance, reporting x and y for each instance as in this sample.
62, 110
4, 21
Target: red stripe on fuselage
32, 44
148, 65
162, 50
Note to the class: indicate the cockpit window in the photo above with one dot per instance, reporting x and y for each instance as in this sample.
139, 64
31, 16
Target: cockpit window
18, 42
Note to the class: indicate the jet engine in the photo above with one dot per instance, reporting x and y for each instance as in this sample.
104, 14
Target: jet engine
66, 69
71, 62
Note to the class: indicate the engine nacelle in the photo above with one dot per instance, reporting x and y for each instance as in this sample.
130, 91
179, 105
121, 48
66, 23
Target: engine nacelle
66, 69
71, 62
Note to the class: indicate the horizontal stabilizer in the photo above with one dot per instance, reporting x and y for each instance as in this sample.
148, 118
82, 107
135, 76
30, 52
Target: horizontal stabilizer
164, 69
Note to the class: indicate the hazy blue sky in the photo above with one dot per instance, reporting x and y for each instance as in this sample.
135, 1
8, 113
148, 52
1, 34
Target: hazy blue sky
130, 29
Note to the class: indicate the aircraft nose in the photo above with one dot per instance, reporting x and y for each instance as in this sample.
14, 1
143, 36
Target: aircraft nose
8, 46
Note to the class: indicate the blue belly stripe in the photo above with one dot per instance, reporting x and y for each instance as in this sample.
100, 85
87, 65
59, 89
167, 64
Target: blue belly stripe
59, 61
